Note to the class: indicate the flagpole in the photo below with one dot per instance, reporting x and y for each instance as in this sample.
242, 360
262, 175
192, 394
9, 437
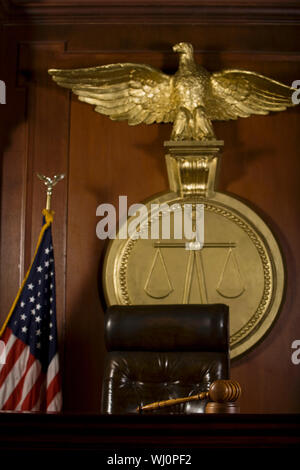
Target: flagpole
50, 183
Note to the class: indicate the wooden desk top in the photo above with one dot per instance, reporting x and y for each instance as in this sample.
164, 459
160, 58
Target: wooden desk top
100, 434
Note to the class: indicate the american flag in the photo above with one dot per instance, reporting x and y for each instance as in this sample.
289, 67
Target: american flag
30, 378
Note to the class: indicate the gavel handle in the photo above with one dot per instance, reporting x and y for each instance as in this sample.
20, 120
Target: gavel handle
221, 391
172, 401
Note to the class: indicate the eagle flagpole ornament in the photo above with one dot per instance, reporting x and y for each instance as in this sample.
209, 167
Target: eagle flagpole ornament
240, 263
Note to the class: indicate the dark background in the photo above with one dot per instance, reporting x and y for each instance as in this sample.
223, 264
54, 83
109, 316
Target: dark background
45, 129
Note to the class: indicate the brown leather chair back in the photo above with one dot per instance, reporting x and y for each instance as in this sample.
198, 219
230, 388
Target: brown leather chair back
161, 352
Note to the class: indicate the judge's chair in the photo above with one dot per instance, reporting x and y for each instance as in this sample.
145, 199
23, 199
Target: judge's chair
163, 352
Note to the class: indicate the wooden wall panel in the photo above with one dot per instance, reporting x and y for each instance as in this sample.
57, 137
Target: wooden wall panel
50, 131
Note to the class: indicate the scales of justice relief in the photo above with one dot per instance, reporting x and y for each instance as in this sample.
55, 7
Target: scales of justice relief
240, 263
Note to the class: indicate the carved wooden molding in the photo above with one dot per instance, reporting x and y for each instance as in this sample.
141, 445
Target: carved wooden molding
151, 11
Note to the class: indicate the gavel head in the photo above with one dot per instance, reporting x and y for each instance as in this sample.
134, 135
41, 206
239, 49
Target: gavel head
223, 391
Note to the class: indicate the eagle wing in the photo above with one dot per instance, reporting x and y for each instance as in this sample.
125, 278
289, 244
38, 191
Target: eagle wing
134, 92
239, 93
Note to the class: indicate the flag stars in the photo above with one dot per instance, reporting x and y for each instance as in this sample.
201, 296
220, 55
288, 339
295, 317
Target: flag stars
47, 251
38, 332
50, 337
23, 317
33, 312
38, 307
38, 319
30, 286
32, 299
24, 329
22, 304
38, 345
47, 264
39, 269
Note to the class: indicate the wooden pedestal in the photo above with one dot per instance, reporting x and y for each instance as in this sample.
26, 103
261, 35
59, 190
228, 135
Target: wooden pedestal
214, 407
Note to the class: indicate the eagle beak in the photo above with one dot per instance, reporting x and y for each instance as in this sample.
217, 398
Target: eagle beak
178, 47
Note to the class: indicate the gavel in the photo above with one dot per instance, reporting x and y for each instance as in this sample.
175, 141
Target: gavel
220, 391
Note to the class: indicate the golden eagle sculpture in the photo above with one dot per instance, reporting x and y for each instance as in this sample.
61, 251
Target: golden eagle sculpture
191, 98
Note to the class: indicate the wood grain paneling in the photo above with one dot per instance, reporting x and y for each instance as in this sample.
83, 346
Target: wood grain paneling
154, 11
49, 131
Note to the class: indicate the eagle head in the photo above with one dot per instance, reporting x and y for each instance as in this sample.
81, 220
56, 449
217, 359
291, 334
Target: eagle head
183, 48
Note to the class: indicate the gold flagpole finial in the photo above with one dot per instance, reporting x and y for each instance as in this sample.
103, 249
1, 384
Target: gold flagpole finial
50, 183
